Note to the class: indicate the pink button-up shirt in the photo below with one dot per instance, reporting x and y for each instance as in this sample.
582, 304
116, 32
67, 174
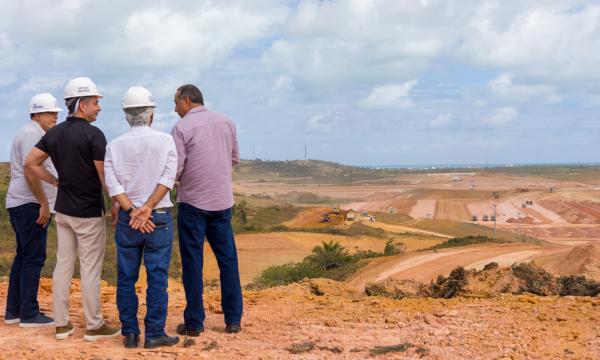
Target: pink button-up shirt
207, 149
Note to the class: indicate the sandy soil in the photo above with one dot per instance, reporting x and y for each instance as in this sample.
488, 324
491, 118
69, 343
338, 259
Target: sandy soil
405, 229
452, 210
427, 266
423, 209
256, 252
342, 324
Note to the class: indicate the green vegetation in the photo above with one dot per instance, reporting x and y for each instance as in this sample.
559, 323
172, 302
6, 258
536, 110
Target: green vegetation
467, 240
330, 260
260, 219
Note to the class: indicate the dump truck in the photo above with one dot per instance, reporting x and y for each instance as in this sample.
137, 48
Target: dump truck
485, 218
474, 218
492, 218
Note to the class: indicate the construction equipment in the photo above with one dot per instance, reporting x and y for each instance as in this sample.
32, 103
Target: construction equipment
392, 210
474, 218
485, 218
492, 218
495, 195
524, 205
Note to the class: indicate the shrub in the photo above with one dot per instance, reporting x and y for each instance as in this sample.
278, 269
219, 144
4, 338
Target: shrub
537, 280
329, 256
577, 286
450, 287
394, 248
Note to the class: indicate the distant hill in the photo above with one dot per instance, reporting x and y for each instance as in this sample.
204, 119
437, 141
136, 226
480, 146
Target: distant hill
315, 169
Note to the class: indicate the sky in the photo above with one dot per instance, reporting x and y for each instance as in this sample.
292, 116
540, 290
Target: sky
363, 82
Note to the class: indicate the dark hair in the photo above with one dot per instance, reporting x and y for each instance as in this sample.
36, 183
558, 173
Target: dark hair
71, 102
191, 92
31, 116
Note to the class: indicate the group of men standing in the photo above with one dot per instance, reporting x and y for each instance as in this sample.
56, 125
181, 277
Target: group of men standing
64, 170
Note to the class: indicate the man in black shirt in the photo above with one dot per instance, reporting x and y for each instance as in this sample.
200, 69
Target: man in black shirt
77, 150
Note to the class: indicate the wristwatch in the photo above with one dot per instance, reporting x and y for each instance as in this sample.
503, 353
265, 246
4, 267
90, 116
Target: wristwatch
131, 208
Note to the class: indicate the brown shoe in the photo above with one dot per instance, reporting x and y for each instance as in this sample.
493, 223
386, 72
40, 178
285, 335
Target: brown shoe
63, 332
104, 331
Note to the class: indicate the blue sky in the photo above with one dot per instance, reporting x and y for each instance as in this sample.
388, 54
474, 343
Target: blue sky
359, 82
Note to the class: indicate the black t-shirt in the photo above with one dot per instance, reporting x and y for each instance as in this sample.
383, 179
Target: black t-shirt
73, 146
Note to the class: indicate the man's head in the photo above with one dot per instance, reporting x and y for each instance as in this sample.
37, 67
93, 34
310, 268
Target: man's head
138, 105
82, 98
187, 97
43, 109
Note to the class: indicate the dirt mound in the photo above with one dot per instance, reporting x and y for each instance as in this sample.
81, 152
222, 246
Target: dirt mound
524, 220
489, 282
575, 212
581, 260
308, 218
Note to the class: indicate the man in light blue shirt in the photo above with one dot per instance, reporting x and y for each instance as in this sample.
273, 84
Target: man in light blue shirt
29, 217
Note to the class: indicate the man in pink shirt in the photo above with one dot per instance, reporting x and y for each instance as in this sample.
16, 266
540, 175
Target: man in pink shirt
207, 150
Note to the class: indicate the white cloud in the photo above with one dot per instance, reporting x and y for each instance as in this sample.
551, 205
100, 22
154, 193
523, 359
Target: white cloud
440, 121
556, 41
321, 123
389, 97
504, 87
500, 117
194, 36
48, 83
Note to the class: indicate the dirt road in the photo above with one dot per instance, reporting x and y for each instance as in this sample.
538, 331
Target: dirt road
405, 229
427, 266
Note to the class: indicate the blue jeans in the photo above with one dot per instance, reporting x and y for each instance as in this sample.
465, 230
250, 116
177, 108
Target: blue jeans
29, 261
193, 225
156, 249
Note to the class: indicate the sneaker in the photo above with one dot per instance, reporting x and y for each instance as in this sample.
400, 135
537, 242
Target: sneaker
40, 320
63, 332
104, 331
10, 318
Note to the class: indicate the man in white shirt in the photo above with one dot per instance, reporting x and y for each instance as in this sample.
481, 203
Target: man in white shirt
140, 168
29, 217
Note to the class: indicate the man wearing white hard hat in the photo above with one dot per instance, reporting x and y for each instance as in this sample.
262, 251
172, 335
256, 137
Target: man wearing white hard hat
77, 150
140, 168
29, 217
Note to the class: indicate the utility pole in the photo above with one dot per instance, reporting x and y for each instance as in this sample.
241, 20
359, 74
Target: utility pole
305, 151
518, 226
495, 216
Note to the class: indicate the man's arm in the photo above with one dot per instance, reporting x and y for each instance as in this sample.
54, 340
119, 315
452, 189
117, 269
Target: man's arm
143, 214
100, 169
181, 155
34, 171
165, 184
235, 151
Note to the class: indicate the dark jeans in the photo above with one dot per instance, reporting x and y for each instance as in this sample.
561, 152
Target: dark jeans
29, 261
193, 224
156, 249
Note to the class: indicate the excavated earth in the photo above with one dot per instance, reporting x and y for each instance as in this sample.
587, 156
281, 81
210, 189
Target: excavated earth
323, 319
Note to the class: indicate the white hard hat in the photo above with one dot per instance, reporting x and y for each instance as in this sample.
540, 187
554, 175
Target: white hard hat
138, 96
44, 102
79, 87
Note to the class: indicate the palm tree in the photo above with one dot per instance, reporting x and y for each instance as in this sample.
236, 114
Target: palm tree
328, 256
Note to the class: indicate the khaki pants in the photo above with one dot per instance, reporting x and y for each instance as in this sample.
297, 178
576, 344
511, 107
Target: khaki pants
88, 235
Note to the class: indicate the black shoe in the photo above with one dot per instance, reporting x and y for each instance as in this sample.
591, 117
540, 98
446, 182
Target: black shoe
131, 341
233, 328
182, 330
164, 340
